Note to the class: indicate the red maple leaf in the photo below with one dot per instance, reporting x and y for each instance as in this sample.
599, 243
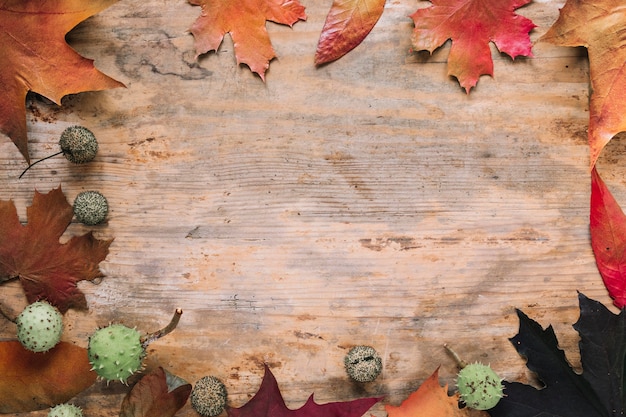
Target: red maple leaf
599, 26
348, 22
245, 21
268, 402
35, 57
472, 25
46, 268
607, 225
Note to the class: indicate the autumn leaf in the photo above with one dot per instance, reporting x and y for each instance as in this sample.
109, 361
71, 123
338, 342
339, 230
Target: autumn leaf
155, 396
268, 402
599, 26
33, 381
607, 225
597, 392
472, 25
245, 21
430, 400
35, 57
46, 268
348, 22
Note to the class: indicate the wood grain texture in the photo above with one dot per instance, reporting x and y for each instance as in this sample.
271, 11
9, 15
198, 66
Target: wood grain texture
369, 201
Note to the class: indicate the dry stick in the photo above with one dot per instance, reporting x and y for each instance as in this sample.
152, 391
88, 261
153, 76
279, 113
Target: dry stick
36, 162
460, 362
151, 337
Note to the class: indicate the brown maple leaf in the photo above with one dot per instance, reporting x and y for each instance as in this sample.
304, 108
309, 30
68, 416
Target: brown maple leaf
154, 396
46, 268
348, 22
269, 402
33, 381
35, 57
245, 21
472, 25
599, 26
430, 400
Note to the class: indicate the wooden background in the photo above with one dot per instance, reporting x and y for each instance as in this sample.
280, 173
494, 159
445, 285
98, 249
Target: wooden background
369, 201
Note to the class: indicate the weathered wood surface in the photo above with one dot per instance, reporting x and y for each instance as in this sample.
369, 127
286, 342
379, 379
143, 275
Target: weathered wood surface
369, 201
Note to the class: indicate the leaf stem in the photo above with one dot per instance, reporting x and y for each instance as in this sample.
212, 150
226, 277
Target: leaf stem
151, 337
459, 362
36, 162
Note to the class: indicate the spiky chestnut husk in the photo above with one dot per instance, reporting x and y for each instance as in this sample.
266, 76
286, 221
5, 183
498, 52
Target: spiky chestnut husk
363, 364
480, 387
65, 410
39, 326
115, 352
208, 396
90, 208
78, 144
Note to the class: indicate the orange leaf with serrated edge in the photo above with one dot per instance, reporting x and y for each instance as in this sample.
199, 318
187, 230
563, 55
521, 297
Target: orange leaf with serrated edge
472, 25
348, 22
35, 57
33, 381
153, 396
46, 268
430, 400
599, 26
245, 21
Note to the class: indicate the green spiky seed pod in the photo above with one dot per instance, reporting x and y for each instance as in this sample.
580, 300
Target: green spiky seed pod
363, 363
480, 387
90, 208
78, 144
39, 326
115, 352
65, 410
208, 396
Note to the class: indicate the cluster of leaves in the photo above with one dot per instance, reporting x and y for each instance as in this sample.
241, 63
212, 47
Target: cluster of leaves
597, 392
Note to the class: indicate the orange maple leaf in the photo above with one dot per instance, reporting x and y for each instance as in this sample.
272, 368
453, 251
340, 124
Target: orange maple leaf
33, 381
599, 26
430, 400
35, 57
245, 21
348, 22
46, 268
472, 25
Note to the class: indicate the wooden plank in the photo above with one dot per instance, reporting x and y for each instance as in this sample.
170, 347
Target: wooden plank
369, 201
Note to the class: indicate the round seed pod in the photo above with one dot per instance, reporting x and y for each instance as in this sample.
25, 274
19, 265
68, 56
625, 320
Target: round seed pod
39, 326
65, 410
363, 364
90, 208
78, 144
208, 396
480, 387
115, 352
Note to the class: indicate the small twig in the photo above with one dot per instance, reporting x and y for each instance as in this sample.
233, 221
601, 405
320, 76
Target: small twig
36, 162
151, 337
6, 316
459, 362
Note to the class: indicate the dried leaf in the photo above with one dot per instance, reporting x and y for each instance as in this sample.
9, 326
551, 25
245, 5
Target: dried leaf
472, 25
599, 26
268, 402
245, 21
607, 224
348, 22
46, 268
152, 397
430, 400
35, 57
33, 381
